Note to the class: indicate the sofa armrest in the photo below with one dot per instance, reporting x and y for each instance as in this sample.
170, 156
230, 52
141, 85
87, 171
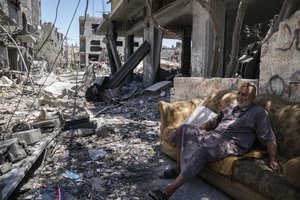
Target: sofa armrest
291, 172
172, 115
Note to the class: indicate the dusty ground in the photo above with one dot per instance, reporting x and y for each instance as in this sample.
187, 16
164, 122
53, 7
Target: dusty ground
129, 135
120, 161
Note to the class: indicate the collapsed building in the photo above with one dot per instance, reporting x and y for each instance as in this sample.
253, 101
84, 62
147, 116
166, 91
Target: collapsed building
94, 47
20, 21
273, 65
208, 32
22, 34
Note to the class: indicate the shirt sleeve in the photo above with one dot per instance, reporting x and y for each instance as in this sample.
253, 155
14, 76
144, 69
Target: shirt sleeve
264, 129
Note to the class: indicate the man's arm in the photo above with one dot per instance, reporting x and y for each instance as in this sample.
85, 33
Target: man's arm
272, 151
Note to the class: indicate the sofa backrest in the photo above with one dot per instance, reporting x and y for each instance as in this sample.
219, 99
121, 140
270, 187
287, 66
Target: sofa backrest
220, 100
284, 115
285, 119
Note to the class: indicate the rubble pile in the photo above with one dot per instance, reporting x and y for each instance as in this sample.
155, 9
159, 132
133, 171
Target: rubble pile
91, 150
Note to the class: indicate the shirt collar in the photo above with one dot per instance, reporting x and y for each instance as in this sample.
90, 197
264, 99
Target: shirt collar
236, 107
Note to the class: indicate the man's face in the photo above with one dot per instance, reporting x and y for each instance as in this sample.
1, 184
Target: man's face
243, 97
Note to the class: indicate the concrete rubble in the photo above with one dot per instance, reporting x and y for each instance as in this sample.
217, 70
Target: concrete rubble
63, 145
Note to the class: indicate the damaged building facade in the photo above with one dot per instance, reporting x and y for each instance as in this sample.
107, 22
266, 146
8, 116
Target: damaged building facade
93, 47
206, 29
20, 21
53, 47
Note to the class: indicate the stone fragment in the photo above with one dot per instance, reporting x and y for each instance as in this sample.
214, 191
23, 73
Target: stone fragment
81, 132
74, 115
157, 87
5, 167
91, 125
29, 136
6, 80
48, 123
16, 153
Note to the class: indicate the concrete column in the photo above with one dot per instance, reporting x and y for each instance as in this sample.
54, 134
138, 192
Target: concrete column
202, 39
128, 51
152, 60
129, 42
186, 51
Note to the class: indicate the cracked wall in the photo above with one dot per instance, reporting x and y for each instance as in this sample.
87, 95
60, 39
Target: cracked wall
280, 61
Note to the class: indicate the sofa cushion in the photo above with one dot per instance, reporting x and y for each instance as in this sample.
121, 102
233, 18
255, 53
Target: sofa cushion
226, 165
291, 171
256, 174
285, 119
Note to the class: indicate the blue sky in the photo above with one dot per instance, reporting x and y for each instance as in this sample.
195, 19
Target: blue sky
65, 13
66, 10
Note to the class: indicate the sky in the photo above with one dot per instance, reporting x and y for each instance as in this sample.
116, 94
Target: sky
65, 13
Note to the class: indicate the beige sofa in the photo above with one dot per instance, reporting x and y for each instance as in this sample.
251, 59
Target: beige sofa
248, 177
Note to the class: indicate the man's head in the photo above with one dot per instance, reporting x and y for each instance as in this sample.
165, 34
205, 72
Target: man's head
246, 94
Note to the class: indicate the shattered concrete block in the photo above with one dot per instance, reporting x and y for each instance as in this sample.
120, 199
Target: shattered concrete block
157, 87
2, 122
2, 128
48, 123
5, 167
6, 80
21, 127
6, 143
81, 132
91, 125
16, 153
75, 115
30, 136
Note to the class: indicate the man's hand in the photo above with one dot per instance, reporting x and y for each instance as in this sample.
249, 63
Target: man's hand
275, 166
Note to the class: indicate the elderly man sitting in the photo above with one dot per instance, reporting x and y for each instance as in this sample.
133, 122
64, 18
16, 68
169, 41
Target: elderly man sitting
232, 132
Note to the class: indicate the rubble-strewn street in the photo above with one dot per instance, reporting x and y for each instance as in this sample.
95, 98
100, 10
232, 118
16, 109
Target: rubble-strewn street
93, 150
109, 164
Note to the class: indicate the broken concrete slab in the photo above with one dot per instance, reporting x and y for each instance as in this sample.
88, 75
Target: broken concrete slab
7, 143
47, 80
58, 89
5, 167
16, 153
81, 132
48, 123
6, 80
74, 115
29, 136
11, 179
22, 126
91, 125
157, 87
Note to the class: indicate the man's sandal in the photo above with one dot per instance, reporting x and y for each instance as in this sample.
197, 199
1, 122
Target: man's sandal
169, 173
157, 195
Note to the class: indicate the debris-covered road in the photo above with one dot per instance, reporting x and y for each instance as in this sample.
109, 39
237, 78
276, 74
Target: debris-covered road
113, 154
104, 165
